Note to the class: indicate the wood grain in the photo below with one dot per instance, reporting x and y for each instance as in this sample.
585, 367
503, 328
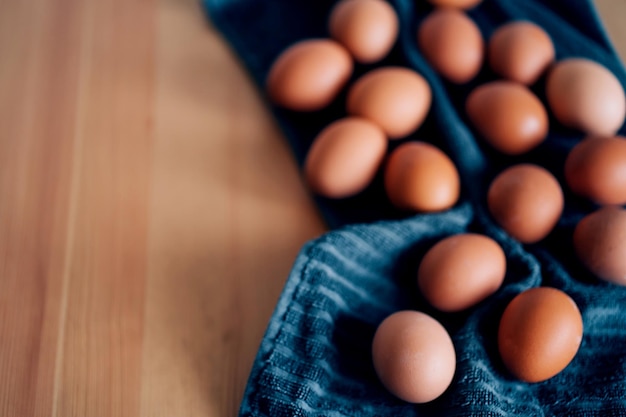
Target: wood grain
228, 215
150, 210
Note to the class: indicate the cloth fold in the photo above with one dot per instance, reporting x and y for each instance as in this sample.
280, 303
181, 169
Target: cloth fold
315, 358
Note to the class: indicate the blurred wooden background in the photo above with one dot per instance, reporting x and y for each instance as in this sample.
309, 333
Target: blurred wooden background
150, 210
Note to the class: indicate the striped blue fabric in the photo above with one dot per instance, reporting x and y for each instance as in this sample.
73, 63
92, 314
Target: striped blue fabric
315, 358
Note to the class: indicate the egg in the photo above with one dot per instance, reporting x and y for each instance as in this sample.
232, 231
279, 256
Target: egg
540, 332
526, 201
452, 43
584, 95
395, 98
413, 356
458, 4
508, 115
309, 74
520, 51
600, 242
367, 28
596, 168
420, 177
460, 271
344, 157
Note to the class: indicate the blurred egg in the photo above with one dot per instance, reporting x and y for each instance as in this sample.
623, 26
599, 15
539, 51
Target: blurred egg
520, 51
508, 115
600, 242
584, 95
458, 4
367, 28
539, 334
309, 74
395, 98
461, 271
596, 168
420, 177
526, 201
344, 157
413, 356
452, 43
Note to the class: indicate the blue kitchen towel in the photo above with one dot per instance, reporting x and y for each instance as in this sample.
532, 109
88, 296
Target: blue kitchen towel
315, 358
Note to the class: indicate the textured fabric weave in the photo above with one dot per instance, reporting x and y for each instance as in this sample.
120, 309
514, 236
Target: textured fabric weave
315, 359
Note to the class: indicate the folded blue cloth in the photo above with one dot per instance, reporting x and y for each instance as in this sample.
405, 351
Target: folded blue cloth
315, 358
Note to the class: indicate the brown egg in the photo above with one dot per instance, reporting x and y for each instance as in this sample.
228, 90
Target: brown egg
395, 98
309, 74
526, 201
540, 332
584, 95
508, 115
420, 177
344, 157
457, 4
367, 28
600, 242
461, 271
413, 356
596, 168
452, 44
520, 51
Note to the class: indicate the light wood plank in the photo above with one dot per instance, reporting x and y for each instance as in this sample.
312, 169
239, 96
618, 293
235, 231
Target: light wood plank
613, 13
229, 214
98, 366
37, 115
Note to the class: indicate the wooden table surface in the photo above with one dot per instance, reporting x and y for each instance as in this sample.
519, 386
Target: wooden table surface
149, 210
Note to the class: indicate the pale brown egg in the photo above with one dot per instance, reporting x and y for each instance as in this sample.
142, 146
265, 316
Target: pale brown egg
395, 98
344, 157
460, 271
520, 51
508, 115
600, 242
526, 201
457, 4
367, 28
413, 356
420, 177
309, 74
539, 334
596, 168
584, 95
452, 43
